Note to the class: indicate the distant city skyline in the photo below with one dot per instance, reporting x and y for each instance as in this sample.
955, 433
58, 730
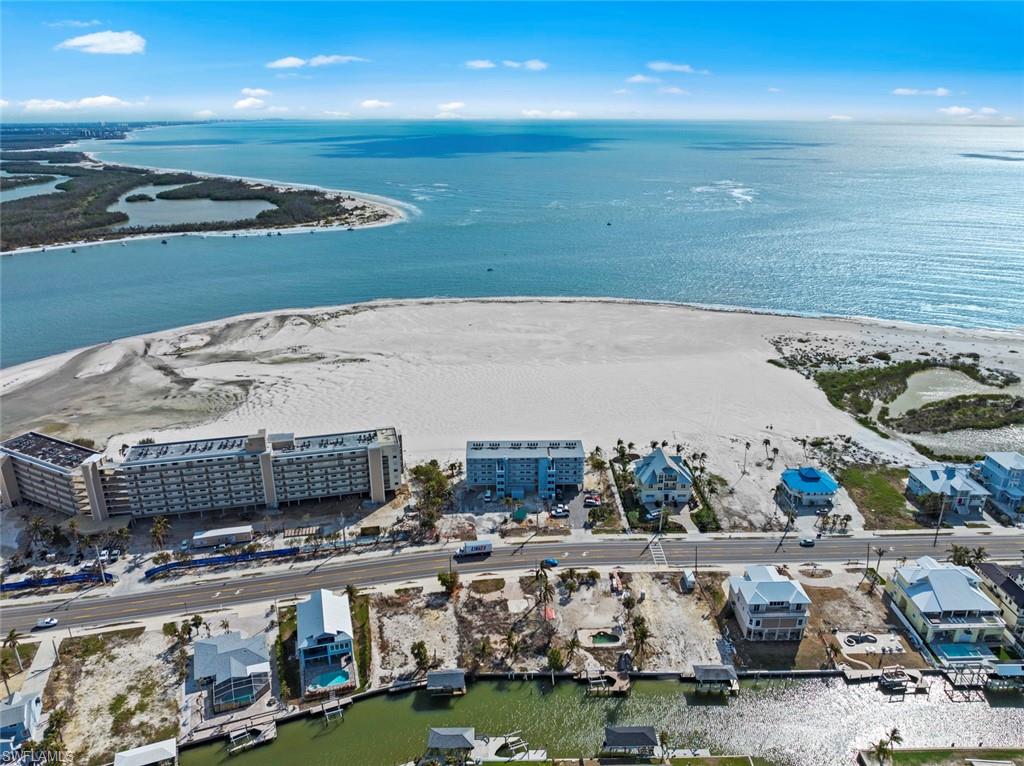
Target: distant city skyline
917, 62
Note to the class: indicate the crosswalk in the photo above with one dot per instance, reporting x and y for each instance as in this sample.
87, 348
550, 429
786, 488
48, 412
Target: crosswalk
658, 553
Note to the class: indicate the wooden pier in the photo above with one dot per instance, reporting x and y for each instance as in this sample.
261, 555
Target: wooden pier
249, 737
605, 683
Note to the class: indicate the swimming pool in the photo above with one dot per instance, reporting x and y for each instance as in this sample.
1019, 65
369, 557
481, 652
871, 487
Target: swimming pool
955, 652
330, 679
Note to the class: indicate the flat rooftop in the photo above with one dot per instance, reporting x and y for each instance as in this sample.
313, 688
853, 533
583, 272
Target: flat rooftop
284, 443
45, 449
188, 450
336, 442
525, 448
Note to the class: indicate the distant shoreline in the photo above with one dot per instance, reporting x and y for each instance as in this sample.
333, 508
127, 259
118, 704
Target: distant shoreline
397, 211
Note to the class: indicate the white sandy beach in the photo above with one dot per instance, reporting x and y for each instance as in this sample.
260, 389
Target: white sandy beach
447, 371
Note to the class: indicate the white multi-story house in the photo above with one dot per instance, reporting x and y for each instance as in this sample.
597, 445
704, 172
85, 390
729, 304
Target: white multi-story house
949, 487
948, 608
661, 477
325, 644
1002, 473
769, 606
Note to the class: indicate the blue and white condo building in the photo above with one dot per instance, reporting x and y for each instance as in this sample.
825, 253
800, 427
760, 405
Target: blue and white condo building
520, 468
325, 644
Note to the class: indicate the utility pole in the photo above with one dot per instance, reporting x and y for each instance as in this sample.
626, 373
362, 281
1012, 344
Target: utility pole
938, 526
696, 547
103, 573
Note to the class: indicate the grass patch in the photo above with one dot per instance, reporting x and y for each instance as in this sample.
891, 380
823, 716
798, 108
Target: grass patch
284, 651
362, 639
944, 757
877, 492
482, 587
856, 390
27, 652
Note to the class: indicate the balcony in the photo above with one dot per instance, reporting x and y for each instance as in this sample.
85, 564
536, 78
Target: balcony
965, 621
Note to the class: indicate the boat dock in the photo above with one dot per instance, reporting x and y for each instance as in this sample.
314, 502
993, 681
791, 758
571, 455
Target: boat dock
246, 737
605, 683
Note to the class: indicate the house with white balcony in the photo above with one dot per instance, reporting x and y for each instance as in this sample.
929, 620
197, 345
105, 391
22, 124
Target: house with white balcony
324, 643
769, 606
948, 608
946, 489
661, 478
1002, 474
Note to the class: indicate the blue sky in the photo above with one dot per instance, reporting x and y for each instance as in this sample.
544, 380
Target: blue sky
945, 62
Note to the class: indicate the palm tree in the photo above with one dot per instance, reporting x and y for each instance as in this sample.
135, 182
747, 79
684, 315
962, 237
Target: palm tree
960, 555
352, 592
746, 449
512, 645
158, 532
572, 646
879, 551
895, 738
641, 638
879, 750
123, 536
766, 443
36, 525
664, 740
11, 642
978, 555
6, 671
545, 592
775, 454
73, 531
58, 720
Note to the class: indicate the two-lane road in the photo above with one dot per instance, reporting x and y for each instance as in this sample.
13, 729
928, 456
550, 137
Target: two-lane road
97, 608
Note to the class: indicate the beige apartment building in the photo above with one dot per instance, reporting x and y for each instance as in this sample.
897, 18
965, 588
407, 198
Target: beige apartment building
232, 473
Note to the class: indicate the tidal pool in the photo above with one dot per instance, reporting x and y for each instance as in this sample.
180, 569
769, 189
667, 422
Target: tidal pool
161, 212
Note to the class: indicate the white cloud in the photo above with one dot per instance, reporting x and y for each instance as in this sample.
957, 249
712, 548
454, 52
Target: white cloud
840, 118
988, 110
205, 113
90, 102
642, 78
774, 90
4, 102
375, 103
77, 24
668, 66
480, 64
322, 60
255, 92
451, 106
449, 116
288, 62
330, 113
553, 114
250, 103
672, 90
956, 111
534, 65
920, 92
121, 43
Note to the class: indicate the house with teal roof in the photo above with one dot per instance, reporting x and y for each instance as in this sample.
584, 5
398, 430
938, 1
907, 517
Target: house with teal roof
662, 478
807, 488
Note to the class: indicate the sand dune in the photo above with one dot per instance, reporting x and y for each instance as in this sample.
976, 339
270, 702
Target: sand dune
447, 371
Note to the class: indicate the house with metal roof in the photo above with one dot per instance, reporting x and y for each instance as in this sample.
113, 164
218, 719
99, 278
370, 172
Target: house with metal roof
768, 606
163, 753
236, 669
946, 488
630, 740
1005, 584
1002, 474
325, 644
661, 477
19, 719
806, 488
948, 608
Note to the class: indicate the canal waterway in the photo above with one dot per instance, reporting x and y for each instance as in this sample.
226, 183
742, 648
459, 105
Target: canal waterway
814, 722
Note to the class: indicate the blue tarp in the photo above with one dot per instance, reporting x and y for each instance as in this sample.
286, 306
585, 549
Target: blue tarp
808, 480
46, 582
214, 561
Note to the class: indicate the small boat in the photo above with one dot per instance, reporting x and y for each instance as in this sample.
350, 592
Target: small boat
163, 241
490, 269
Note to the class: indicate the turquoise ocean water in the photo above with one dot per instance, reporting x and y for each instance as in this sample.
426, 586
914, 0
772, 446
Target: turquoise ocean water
923, 224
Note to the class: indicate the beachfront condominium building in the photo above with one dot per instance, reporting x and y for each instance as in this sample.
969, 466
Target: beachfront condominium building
324, 644
230, 473
768, 606
948, 608
806, 489
1002, 473
661, 477
41, 470
943, 488
520, 468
